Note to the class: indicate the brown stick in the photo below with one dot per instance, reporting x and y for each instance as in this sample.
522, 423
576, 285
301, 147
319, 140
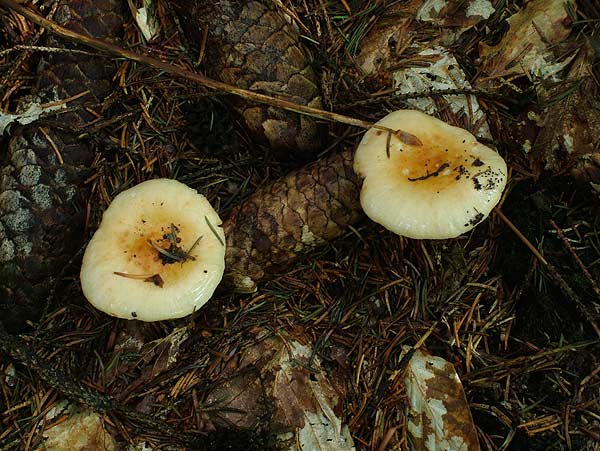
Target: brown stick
115, 50
554, 274
522, 237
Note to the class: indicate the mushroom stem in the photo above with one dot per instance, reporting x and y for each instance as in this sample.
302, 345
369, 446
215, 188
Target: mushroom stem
43, 169
285, 218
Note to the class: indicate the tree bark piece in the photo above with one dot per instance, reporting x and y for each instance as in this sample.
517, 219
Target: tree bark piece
252, 46
294, 214
41, 214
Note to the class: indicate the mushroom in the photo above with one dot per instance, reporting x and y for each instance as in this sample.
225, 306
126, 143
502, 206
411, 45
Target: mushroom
158, 254
426, 179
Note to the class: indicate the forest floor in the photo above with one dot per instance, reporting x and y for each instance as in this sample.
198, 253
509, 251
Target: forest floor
522, 332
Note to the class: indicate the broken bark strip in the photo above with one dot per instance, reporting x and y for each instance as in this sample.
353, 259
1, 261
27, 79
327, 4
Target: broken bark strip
290, 216
43, 168
251, 45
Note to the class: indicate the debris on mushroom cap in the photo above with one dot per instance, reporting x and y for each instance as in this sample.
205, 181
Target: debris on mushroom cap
428, 179
158, 253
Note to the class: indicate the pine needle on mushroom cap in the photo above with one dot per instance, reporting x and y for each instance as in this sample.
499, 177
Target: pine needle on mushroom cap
158, 254
428, 180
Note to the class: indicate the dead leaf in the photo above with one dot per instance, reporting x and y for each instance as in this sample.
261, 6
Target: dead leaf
381, 48
570, 134
528, 46
439, 415
408, 138
455, 13
145, 18
236, 402
280, 380
153, 357
304, 398
82, 430
438, 70
28, 113
163, 351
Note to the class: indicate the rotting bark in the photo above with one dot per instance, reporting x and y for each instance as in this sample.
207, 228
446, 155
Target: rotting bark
290, 216
41, 218
252, 46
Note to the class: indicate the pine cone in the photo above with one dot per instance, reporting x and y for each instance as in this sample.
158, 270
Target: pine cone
281, 220
252, 46
41, 223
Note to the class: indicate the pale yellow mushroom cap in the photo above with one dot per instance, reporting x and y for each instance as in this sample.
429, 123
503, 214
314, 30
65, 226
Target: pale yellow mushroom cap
127, 271
437, 182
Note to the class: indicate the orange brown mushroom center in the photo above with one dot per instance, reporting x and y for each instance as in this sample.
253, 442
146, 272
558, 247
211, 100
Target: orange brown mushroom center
162, 250
435, 163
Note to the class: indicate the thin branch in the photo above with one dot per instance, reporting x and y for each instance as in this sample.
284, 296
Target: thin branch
21, 351
117, 51
553, 272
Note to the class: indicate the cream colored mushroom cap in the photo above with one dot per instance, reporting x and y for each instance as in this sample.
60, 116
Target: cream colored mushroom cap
438, 181
120, 265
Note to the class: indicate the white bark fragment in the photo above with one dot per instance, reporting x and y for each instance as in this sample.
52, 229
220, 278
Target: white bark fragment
444, 73
27, 114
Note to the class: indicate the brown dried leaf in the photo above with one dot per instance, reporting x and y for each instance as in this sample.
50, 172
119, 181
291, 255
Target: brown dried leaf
439, 415
80, 431
455, 13
164, 351
527, 48
408, 138
278, 378
237, 402
145, 18
305, 400
379, 48
438, 70
571, 128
